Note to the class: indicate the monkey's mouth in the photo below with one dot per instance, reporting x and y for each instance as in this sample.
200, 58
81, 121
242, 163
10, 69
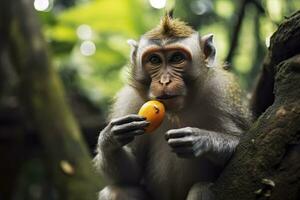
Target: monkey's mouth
166, 96
172, 102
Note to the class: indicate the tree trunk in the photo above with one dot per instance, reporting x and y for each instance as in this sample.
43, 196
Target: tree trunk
43, 97
266, 164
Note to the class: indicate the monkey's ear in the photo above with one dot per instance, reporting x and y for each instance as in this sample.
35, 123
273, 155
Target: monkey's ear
134, 45
208, 48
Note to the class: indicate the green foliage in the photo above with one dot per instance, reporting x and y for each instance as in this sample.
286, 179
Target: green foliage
219, 17
111, 23
101, 74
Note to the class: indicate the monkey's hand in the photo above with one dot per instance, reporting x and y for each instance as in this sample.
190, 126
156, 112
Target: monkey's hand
121, 131
113, 137
188, 142
194, 142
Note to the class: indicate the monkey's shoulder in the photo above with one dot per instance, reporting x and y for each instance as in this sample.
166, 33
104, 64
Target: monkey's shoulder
231, 99
233, 96
228, 80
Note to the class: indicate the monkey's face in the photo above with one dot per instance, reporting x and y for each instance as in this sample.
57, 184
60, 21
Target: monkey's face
166, 67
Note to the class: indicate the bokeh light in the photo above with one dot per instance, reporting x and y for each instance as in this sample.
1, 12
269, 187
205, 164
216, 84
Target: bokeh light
267, 41
84, 32
224, 8
41, 5
274, 8
200, 7
87, 48
158, 4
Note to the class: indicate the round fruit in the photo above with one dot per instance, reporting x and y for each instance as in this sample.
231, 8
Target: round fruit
154, 112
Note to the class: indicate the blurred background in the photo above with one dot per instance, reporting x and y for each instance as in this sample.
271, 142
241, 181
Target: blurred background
62, 61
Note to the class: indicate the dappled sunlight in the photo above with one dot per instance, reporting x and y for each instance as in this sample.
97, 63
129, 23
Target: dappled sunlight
267, 41
87, 48
158, 4
225, 8
43, 5
62, 63
275, 9
84, 32
200, 7
98, 30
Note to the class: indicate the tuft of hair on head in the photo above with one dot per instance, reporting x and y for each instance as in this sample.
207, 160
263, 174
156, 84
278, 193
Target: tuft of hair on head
170, 27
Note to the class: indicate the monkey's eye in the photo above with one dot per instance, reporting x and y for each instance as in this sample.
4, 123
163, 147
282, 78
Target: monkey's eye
155, 59
177, 58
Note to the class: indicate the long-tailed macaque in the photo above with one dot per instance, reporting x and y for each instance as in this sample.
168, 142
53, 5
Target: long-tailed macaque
171, 63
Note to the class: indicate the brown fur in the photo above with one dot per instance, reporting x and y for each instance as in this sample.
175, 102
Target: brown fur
169, 28
211, 105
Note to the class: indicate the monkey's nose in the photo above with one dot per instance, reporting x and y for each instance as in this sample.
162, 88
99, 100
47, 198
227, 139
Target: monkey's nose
165, 79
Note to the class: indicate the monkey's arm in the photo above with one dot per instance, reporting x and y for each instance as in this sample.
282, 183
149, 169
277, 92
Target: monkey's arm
116, 162
195, 142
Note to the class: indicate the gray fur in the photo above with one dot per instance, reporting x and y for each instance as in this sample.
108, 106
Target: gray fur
149, 160
190, 148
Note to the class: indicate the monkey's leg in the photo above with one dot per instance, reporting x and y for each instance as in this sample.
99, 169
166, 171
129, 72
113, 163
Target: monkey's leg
200, 191
117, 192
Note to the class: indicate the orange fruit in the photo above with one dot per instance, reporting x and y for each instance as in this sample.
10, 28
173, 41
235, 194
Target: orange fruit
154, 112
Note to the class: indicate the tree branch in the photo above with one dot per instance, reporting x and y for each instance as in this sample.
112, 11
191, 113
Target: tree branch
236, 29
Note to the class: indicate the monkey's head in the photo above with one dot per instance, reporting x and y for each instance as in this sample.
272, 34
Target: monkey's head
168, 60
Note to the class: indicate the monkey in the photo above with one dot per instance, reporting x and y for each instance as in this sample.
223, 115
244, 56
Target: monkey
205, 117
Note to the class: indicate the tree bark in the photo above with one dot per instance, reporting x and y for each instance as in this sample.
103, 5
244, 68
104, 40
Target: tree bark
266, 164
43, 97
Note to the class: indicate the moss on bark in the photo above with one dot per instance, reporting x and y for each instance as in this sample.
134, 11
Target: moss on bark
267, 161
43, 98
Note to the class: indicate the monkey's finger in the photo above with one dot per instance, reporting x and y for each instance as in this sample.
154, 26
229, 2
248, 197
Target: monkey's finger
129, 134
126, 128
127, 119
181, 142
177, 133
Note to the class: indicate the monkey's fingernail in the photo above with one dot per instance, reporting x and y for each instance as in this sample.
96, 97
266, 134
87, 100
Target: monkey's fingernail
145, 124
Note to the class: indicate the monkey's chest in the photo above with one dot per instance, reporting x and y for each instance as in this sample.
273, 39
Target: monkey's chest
170, 177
